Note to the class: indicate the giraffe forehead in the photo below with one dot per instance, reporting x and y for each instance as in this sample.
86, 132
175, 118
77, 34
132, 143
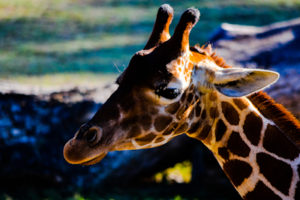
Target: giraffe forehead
177, 65
181, 69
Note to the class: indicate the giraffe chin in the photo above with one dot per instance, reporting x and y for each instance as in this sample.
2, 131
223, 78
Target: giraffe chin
94, 160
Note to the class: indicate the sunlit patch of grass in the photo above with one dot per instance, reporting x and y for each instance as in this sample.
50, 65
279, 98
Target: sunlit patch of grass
287, 3
178, 197
6, 197
14, 9
42, 36
77, 196
180, 173
105, 60
84, 43
68, 79
80, 11
104, 14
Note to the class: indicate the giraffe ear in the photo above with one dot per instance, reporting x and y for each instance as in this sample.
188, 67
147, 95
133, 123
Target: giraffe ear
238, 82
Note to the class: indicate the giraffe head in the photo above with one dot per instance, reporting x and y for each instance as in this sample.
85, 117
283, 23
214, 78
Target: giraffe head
159, 93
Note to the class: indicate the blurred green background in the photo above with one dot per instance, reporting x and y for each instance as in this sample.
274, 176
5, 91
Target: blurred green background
45, 38
47, 42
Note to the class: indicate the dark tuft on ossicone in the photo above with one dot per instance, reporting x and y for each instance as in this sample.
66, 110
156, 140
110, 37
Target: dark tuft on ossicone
165, 9
190, 15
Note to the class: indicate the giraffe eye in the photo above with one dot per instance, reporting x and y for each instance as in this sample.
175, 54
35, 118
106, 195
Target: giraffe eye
169, 93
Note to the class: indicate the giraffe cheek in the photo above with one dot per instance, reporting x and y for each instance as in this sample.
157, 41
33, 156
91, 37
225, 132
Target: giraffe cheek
124, 145
152, 96
161, 122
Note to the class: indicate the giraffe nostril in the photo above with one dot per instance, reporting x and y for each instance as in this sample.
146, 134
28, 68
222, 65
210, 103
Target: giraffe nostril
82, 130
91, 136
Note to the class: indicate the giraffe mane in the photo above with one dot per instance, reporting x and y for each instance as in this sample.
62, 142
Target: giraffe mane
279, 114
263, 102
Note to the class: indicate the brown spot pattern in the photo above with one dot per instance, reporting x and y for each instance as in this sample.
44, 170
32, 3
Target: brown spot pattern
278, 173
170, 128
203, 115
276, 142
278, 114
240, 103
172, 108
220, 130
237, 171
190, 98
182, 128
223, 152
213, 112
128, 122
146, 139
134, 131
237, 146
146, 122
161, 122
181, 110
204, 132
231, 115
252, 127
194, 127
261, 191
153, 111
198, 109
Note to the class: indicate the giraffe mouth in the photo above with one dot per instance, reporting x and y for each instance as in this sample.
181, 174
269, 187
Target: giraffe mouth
94, 160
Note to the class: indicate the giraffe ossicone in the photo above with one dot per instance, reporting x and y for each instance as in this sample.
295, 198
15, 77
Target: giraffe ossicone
171, 88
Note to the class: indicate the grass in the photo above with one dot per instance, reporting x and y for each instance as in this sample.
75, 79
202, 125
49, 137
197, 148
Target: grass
74, 36
85, 79
180, 173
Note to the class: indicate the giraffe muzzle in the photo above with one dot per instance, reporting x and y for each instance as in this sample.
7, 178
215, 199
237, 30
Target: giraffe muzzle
81, 149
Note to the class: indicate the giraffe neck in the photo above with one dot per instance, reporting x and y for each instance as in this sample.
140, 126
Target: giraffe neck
258, 158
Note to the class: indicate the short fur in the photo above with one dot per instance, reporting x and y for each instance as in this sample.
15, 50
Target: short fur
266, 105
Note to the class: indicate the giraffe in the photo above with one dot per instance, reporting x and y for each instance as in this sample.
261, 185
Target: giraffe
171, 88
